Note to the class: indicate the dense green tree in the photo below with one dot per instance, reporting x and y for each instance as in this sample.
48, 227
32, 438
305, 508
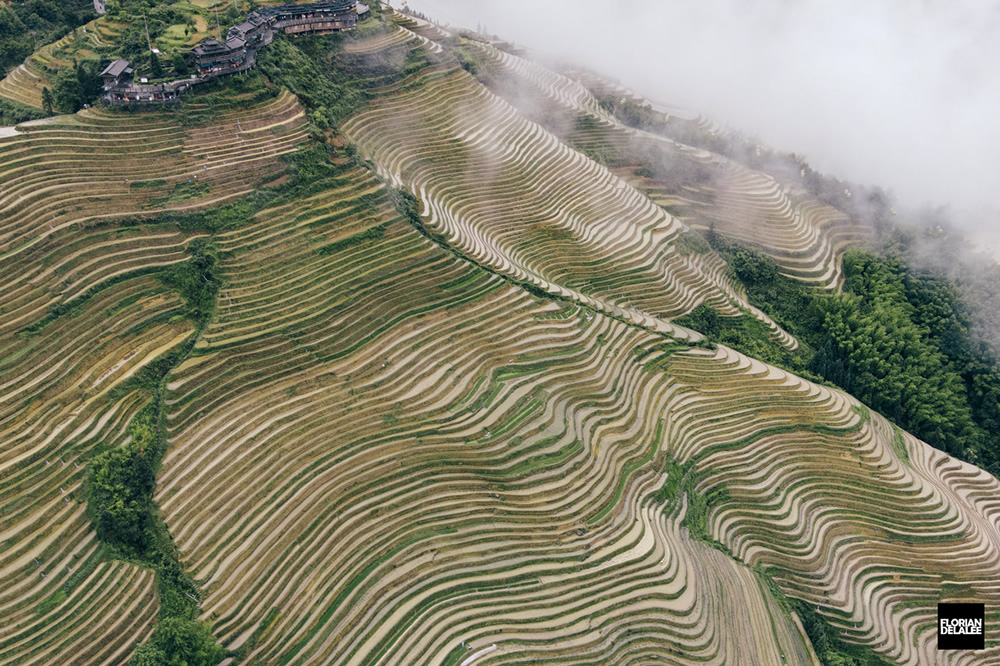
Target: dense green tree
47, 101
148, 654
898, 339
88, 76
155, 66
132, 43
12, 113
67, 93
876, 349
187, 643
179, 642
753, 267
299, 66
24, 26
197, 280
875, 352
120, 492
77, 86
179, 64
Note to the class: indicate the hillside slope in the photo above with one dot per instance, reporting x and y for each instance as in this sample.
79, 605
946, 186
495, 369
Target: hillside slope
422, 397
81, 318
705, 189
507, 193
464, 432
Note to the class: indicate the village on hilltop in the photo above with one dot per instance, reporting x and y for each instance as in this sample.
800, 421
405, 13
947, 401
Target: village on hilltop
238, 53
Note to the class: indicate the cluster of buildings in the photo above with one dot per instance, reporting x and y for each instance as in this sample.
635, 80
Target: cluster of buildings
238, 53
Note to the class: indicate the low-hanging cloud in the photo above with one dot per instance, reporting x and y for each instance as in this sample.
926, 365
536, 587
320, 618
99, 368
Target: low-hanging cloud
898, 93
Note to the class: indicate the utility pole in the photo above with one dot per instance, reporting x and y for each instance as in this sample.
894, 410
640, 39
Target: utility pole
219, 27
148, 40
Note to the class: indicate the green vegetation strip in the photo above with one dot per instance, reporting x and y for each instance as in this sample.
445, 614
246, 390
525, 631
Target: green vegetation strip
898, 338
121, 482
143, 184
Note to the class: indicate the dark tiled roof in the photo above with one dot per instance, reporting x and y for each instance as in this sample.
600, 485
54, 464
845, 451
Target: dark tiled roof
214, 53
117, 68
211, 47
296, 8
254, 21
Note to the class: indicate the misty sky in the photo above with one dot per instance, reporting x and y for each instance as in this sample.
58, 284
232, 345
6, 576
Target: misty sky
899, 93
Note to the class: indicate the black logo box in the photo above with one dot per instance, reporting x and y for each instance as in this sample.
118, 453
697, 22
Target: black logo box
961, 626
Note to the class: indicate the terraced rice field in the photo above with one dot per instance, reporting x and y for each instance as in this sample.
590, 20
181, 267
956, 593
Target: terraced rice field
24, 83
59, 179
58, 400
421, 27
100, 164
853, 513
804, 237
513, 197
498, 454
62, 378
406, 29
482, 443
378, 43
449, 440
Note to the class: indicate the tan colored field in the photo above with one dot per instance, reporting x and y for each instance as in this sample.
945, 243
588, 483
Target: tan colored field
455, 428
